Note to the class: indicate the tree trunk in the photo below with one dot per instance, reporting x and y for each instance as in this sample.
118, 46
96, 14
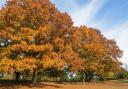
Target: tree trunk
89, 76
17, 76
61, 76
34, 77
83, 76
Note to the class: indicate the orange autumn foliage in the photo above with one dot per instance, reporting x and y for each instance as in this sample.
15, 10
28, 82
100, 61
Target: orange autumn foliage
34, 35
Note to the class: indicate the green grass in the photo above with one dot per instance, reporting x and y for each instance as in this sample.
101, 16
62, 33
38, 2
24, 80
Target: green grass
123, 80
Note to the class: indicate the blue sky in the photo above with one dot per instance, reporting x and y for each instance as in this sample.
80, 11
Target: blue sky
2, 2
109, 16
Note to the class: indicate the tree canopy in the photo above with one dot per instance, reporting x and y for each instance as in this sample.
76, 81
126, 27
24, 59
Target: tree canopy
35, 35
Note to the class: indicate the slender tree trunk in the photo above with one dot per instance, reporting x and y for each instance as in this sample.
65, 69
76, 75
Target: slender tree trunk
17, 76
34, 77
86, 76
83, 76
61, 76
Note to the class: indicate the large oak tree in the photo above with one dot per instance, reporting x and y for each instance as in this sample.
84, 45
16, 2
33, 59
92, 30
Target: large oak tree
35, 35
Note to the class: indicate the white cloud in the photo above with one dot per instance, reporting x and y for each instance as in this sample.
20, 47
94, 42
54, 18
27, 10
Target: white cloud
80, 14
83, 15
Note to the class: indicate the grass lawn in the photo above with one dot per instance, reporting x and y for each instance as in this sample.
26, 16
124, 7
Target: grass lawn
53, 85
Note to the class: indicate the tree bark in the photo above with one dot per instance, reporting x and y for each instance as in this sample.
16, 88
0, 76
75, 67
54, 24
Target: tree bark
34, 77
61, 76
83, 76
17, 76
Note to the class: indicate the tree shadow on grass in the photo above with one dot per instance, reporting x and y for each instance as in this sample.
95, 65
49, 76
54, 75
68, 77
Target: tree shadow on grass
11, 84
